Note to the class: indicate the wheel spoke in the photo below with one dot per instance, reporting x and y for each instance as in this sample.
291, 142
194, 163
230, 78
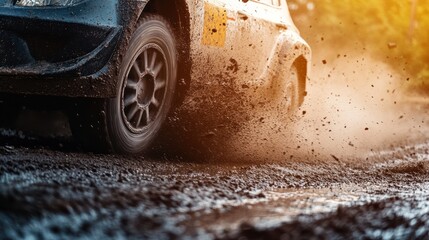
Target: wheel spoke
146, 60
131, 84
132, 112
147, 114
157, 69
136, 69
152, 64
130, 99
140, 117
155, 102
159, 84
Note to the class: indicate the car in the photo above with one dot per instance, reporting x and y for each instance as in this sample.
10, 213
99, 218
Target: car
125, 64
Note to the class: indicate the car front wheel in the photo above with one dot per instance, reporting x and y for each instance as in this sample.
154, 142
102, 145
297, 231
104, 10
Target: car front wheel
128, 123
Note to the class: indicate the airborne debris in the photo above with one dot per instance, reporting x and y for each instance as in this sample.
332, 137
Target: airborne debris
210, 134
335, 158
234, 65
392, 45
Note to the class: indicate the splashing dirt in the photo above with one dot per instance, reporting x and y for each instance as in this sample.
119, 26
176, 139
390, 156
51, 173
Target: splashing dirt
354, 105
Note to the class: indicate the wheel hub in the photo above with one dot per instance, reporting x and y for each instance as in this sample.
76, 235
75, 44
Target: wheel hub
145, 90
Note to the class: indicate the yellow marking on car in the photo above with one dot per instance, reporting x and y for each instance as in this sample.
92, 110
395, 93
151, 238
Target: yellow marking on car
215, 23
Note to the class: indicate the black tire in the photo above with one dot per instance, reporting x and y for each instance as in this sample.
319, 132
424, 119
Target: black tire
9, 112
128, 123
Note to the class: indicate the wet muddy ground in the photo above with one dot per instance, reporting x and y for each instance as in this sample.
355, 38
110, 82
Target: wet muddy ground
355, 165
50, 189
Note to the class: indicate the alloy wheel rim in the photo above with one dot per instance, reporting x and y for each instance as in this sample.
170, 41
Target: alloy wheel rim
144, 88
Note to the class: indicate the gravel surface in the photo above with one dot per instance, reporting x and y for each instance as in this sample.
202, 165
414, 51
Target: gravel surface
53, 191
354, 169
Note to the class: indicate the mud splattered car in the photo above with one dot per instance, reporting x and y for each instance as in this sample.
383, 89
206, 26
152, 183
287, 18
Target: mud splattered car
125, 64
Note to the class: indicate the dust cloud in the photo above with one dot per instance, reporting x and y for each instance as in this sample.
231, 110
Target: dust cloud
354, 105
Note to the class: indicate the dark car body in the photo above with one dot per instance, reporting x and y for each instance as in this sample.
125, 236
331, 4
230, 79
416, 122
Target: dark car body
64, 51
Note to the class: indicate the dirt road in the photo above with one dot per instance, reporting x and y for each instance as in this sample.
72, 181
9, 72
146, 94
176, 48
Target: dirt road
49, 189
355, 165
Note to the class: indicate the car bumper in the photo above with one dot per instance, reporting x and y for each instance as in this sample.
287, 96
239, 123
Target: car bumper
60, 51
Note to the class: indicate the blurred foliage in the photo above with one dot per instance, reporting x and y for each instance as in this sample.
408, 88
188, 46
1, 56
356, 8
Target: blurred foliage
395, 30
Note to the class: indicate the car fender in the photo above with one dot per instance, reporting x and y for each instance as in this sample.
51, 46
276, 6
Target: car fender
289, 49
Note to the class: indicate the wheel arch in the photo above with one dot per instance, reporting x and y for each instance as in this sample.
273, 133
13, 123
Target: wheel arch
178, 16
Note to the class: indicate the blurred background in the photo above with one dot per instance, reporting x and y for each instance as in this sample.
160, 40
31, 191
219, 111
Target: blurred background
392, 32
